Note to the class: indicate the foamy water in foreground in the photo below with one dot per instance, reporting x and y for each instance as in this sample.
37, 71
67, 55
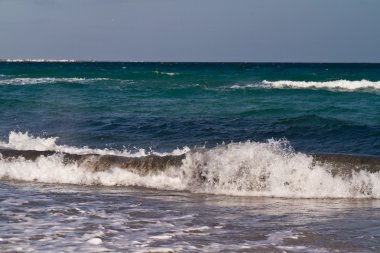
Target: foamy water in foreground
66, 218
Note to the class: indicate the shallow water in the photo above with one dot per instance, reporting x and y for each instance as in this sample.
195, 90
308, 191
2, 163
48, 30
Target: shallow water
68, 218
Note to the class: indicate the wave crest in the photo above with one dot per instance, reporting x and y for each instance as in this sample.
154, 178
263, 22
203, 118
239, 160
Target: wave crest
337, 84
271, 169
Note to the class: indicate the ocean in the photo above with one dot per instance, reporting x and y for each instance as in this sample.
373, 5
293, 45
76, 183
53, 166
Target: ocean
189, 157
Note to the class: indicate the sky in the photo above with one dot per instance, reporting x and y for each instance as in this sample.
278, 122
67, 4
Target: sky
192, 30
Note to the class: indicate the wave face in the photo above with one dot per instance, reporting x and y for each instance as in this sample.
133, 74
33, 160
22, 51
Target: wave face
269, 168
333, 85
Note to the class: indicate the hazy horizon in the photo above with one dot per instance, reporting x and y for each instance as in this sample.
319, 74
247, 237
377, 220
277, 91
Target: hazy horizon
288, 31
62, 60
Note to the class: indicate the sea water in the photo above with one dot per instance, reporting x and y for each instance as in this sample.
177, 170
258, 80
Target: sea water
246, 134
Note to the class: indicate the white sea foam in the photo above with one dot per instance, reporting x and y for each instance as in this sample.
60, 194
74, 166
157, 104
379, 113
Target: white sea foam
48, 80
336, 85
53, 170
170, 73
25, 141
272, 169
248, 169
95, 241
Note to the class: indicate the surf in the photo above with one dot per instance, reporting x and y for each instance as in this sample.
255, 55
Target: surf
261, 169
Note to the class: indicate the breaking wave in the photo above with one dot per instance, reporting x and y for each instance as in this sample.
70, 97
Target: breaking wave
335, 85
25, 141
338, 85
48, 80
270, 169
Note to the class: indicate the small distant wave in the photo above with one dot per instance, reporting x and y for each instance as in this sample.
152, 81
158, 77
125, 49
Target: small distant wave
333, 85
48, 80
166, 73
269, 169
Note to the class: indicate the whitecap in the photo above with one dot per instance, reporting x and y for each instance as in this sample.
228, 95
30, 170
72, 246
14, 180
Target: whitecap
47, 80
332, 85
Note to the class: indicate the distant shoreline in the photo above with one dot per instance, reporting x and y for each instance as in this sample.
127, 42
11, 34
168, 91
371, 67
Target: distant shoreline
38, 60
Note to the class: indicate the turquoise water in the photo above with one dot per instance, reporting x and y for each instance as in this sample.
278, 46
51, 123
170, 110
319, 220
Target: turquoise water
162, 106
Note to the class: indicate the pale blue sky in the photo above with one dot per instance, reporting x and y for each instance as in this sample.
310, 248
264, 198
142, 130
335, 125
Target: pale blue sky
192, 30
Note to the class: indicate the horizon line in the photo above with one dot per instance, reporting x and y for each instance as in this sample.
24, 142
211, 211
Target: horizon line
30, 60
